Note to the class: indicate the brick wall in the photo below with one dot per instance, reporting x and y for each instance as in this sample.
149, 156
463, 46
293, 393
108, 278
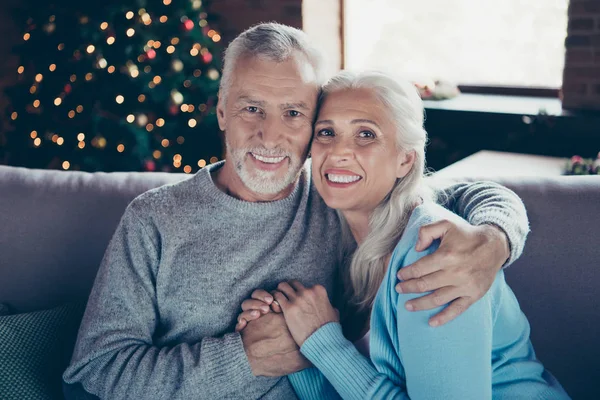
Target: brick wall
581, 84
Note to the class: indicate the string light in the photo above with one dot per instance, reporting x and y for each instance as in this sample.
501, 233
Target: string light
197, 73
54, 138
146, 19
39, 77
149, 127
188, 24
201, 163
71, 114
111, 69
187, 169
57, 101
52, 67
196, 4
102, 63
81, 136
37, 142
157, 44
130, 32
171, 49
151, 85
157, 79
21, 69
32, 89
165, 143
33, 134
160, 122
110, 40
211, 33
81, 145
61, 47
66, 165
141, 11
203, 23
202, 107
213, 160
90, 49
177, 158
192, 123
120, 99
187, 83
14, 115
194, 52
79, 109
147, 69
177, 97
129, 15
164, 19
142, 119
166, 2
60, 141
89, 76
141, 98
101, 142
184, 107
73, 78
213, 74
131, 118
104, 25
180, 139
121, 148
175, 41
216, 38
36, 103
26, 36
156, 154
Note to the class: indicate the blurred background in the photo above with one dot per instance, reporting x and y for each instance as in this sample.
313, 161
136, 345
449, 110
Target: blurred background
131, 85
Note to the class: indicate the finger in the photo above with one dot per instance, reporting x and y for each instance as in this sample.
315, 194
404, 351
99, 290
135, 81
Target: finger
426, 283
298, 287
436, 299
259, 305
456, 308
263, 295
275, 307
423, 266
429, 233
281, 299
287, 289
249, 315
240, 325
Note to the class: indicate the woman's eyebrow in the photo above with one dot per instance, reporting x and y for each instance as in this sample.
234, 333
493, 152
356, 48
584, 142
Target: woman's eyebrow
324, 121
364, 121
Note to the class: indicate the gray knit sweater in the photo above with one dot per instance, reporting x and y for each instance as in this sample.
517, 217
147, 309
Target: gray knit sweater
159, 320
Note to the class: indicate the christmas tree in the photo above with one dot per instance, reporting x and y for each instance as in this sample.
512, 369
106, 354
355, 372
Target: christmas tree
115, 85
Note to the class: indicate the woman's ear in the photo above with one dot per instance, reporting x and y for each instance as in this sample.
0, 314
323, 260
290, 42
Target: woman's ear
406, 159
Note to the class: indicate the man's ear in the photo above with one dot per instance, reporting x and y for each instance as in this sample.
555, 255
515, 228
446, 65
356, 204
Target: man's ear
406, 161
221, 114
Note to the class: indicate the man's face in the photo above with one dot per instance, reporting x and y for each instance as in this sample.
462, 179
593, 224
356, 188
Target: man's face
267, 118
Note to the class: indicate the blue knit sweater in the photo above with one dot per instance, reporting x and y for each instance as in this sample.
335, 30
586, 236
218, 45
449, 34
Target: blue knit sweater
483, 354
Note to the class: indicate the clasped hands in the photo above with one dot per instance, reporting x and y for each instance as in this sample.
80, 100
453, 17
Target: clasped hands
459, 273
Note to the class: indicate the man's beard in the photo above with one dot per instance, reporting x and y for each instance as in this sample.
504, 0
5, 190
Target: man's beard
260, 181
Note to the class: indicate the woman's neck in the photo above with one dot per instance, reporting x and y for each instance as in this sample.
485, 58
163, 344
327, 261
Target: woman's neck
358, 222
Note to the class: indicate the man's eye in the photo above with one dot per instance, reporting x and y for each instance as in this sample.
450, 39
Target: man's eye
252, 109
294, 113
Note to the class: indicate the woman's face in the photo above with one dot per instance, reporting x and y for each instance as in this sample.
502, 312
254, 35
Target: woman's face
355, 157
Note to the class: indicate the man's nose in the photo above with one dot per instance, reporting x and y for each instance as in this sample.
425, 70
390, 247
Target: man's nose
270, 131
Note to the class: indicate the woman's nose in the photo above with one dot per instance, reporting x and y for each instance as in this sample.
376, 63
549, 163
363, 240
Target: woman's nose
341, 149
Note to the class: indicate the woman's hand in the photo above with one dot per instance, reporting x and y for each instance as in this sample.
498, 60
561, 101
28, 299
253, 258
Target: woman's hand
253, 308
305, 309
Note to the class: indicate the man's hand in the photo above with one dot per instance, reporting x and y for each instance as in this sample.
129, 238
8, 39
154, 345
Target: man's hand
270, 348
459, 272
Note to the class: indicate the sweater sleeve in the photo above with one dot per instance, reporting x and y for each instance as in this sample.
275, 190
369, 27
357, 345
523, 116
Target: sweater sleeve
490, 203
115, 358
450, 362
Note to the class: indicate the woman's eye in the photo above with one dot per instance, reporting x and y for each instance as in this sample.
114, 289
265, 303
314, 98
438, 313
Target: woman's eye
367, 135
325, 133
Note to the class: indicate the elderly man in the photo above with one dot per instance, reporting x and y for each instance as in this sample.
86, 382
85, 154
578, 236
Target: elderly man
160, 320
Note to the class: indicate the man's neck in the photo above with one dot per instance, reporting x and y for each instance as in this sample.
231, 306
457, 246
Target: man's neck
228, 181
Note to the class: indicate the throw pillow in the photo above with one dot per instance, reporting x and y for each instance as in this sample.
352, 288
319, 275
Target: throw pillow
35, 349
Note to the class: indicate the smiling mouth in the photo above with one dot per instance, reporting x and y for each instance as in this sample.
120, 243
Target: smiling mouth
342, 179
268, 159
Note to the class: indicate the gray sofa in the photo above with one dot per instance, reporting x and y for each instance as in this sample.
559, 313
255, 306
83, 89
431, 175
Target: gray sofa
54, 227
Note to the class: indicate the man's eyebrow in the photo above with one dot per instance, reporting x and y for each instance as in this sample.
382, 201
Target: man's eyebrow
250, 100
301, 105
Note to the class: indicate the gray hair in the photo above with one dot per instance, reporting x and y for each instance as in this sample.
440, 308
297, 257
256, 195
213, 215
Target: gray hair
272, 41
387, 223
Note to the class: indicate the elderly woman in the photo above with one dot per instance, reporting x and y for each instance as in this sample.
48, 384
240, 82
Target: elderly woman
368, 158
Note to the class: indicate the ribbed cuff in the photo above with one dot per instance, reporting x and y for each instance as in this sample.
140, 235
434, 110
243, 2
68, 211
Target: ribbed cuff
516, 230
346, 369
226, 366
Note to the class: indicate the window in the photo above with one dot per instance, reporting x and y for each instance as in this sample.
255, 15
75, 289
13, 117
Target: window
517, 43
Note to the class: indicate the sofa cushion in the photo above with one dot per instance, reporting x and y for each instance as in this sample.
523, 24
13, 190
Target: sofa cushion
35, 349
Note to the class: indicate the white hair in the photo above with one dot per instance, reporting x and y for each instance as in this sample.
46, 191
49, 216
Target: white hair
272, 41
387, 223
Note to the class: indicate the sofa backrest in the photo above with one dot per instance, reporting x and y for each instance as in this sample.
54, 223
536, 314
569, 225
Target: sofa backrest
55, 225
